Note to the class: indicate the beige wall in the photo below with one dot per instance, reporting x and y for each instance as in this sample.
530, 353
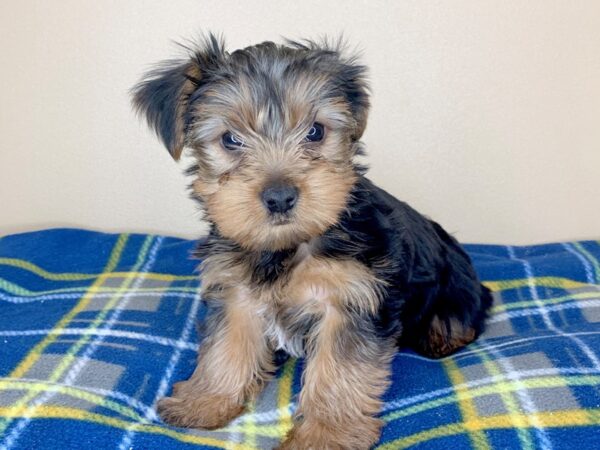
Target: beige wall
486, 114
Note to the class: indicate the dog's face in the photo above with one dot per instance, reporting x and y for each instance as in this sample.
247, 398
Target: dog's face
274, 130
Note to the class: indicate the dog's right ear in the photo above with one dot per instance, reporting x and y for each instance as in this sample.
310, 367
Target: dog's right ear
162, 96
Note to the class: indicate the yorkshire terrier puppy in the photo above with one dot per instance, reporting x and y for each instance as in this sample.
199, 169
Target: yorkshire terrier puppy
305, 254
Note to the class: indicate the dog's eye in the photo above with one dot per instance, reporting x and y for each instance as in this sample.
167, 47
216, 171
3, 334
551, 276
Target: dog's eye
231, 141
315, 134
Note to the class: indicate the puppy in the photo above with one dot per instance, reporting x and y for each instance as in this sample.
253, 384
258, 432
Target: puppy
305, 254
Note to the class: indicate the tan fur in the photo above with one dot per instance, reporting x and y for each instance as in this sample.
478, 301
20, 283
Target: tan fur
192, 71
334, 283
342, 385
341, 391
237, 210
233, 364
315, 286
444, 339
313, 304
230, 182
223, 271
343, 379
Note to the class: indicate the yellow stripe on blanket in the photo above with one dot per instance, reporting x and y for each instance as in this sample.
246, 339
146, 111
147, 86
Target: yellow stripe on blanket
37, 387
494, 285
550, 282
549, 419
463, 391
74, 276
67, 359
62, 412
36, 351
465, 404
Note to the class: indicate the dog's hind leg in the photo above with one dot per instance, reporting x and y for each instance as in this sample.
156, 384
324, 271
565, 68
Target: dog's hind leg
455, 316
450, 312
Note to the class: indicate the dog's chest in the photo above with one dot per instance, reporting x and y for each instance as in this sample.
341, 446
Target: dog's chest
294, 305
312, 288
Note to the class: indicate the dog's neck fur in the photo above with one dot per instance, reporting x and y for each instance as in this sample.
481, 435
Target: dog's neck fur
345, 238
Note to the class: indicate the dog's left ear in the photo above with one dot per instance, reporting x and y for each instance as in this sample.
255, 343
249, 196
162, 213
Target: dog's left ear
162, 96
353, 77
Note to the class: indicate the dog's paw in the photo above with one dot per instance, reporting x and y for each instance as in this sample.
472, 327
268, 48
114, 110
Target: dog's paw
208, 411
322, 436
295, 442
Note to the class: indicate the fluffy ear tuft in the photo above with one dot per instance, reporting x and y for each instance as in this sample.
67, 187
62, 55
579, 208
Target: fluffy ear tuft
350, 73
162, 96
356, 89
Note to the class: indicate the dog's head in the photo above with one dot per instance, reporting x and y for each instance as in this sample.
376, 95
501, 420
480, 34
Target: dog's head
274, 129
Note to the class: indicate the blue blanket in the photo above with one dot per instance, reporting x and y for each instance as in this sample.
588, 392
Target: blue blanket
95, 328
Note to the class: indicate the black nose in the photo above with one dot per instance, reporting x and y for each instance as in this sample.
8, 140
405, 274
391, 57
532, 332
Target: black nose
280, 198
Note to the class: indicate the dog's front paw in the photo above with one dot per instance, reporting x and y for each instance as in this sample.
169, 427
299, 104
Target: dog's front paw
208, 411
311, 435
299, 441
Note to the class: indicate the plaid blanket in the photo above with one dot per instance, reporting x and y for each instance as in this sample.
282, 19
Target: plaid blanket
94, 328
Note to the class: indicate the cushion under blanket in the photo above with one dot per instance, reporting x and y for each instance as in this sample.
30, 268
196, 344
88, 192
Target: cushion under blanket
95, 328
